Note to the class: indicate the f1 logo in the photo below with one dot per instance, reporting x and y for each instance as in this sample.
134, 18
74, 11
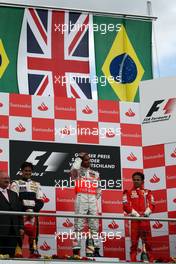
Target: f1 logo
51, 163
169, 106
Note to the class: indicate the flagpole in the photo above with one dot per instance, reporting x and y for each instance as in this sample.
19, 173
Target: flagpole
154, 44
149, 8
94, 12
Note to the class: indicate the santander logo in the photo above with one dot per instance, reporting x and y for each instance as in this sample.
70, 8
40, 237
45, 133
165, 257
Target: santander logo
113, 225
110, 133
1, 104
130, 113
173, 154
67, 223
155, 179
45, 246
20, 128
132, 157
43, 107
157, 225
65, 131
174, 200
45, 199
87, 110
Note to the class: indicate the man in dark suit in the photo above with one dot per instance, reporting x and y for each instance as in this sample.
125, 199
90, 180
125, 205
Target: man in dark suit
11, 226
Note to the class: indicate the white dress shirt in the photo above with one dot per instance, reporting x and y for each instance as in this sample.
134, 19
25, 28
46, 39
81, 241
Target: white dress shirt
5, 193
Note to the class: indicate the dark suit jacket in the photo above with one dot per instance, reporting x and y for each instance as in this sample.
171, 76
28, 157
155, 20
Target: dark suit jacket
6, 221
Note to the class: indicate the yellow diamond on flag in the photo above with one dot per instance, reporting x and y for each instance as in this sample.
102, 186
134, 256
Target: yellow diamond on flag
122, 67
4, 61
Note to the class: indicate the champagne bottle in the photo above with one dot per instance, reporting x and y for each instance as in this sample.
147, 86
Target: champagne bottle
34, 245
89, 246
18, 252
35, 249
144, 255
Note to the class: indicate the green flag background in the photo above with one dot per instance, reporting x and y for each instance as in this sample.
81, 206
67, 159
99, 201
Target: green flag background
139, 34
10, 28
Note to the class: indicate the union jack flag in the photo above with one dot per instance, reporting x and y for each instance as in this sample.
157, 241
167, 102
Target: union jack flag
53, 56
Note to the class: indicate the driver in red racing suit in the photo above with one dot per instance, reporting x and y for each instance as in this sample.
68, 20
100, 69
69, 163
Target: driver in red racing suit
139, 202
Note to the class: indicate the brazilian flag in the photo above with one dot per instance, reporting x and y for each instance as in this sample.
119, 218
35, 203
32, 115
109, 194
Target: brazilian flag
10, 28
123, 56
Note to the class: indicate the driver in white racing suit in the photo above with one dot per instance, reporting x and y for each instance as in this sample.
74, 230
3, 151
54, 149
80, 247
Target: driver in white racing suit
87, 193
